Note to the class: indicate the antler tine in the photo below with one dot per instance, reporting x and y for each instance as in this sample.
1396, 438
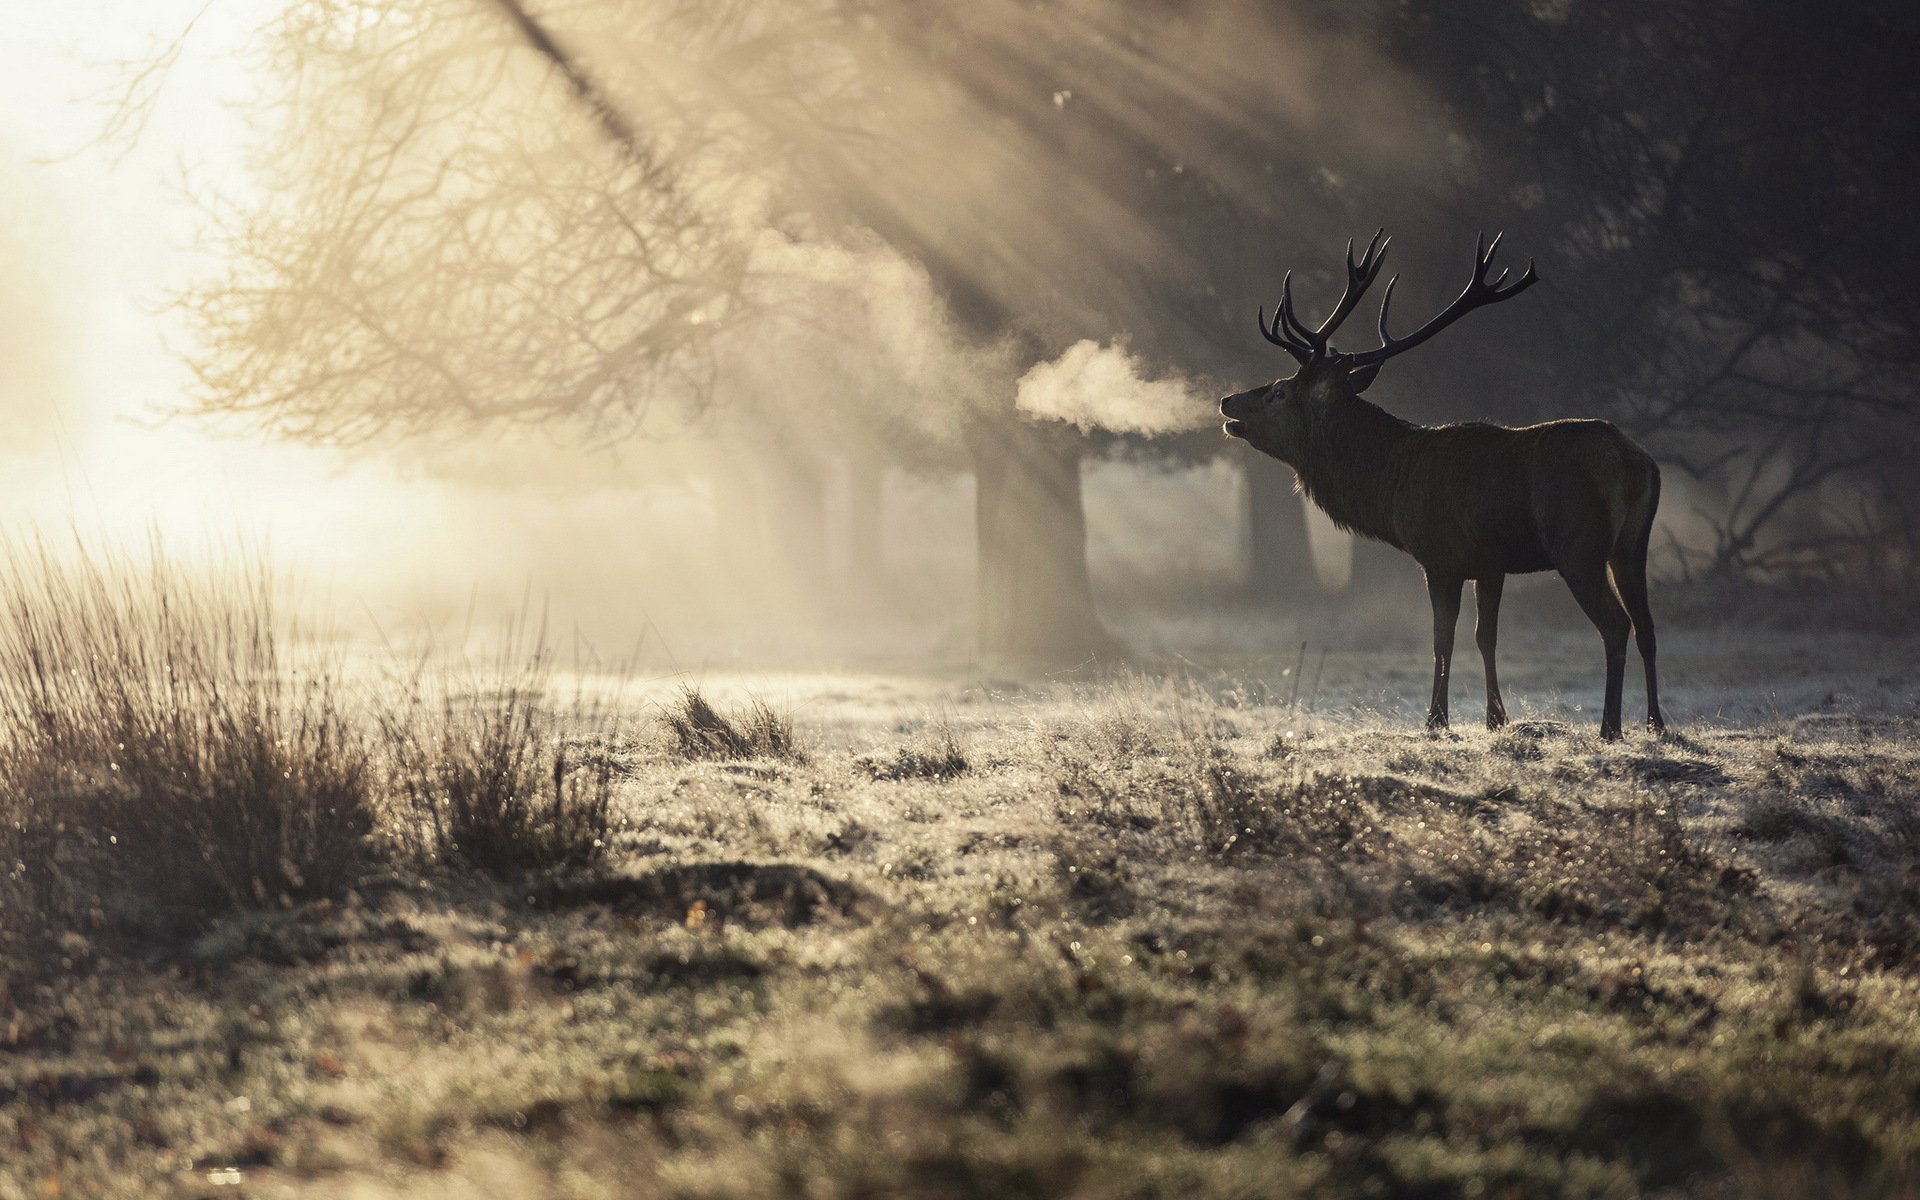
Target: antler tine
1378, 258
1527, 279
1360, 277
1386, 300
1296, 328
1305, 342
1281, 336
1376, 250
1478, 292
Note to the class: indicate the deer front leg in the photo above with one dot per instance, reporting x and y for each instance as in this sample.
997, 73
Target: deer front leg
1444, 592
1486, 631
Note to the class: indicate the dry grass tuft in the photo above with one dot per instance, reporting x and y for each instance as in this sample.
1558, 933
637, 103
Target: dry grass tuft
697, 730
936, 754
498, 782
164, 756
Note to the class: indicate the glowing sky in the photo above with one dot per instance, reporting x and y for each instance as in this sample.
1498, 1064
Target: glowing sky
96, 236
103, 242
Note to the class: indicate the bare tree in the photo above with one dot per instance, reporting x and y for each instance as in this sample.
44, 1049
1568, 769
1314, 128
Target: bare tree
444, 242
440, 242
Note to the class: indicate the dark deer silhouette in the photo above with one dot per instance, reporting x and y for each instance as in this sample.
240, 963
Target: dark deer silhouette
1471, 501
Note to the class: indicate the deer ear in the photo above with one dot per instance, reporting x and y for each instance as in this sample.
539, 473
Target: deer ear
1362, 377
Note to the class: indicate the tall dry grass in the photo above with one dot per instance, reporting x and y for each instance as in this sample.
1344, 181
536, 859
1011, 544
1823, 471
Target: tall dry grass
695, 730
162, 755
487, 773
172, 748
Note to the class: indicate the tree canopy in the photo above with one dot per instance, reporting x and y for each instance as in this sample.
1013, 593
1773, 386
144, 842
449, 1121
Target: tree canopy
446, 240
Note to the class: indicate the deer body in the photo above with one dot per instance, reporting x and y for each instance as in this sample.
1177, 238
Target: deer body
1468, 502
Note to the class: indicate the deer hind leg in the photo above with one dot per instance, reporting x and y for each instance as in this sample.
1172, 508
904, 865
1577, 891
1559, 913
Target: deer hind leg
1486, 632
1588, 582
1629, 567
1445, 594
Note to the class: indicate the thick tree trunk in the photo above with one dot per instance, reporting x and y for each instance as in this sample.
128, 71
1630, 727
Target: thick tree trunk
1279, 558
770, 513
1035, 599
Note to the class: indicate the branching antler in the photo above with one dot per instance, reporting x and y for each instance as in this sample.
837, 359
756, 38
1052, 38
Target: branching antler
1478, 293
1291, 334
1282, 335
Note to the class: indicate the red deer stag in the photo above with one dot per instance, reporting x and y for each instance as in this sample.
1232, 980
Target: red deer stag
1471, 501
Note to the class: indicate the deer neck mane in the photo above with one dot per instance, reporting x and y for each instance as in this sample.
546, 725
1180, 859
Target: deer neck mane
1352, 466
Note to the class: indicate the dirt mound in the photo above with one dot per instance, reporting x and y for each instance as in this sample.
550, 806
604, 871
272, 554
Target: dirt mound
1698, 772
749, 893
1388, 793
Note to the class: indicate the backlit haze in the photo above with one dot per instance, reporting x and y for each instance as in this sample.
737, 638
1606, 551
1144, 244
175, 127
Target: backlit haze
100, 233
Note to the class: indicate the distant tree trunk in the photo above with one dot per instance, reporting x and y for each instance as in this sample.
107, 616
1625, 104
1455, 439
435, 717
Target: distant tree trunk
796, 497
739, 525
1279, 557
863, 517
1035, 599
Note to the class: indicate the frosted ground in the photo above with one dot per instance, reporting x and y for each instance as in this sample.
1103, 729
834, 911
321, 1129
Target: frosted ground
1177, 930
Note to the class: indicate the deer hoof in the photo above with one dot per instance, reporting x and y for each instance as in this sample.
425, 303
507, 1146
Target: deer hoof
1657, 725
1436, 722
1496, 718
1610, 733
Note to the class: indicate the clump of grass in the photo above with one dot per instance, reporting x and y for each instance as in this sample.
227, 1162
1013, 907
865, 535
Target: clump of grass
936, 754
492, 778
697, 730
163, 754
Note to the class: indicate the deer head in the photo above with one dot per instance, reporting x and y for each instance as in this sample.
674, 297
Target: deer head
1278, 418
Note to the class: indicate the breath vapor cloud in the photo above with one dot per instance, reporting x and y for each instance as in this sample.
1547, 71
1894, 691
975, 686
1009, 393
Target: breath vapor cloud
1101, 387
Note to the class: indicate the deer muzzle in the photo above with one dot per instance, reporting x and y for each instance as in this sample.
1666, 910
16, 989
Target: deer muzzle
1233, 408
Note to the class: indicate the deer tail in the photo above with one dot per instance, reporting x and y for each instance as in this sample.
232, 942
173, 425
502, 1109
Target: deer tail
1636, 528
